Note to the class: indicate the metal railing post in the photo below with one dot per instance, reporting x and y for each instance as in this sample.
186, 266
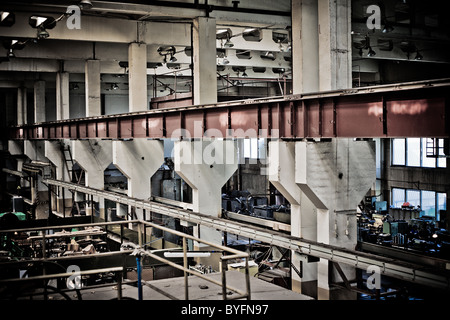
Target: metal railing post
119, 285
185, 265
247, 279
224, 280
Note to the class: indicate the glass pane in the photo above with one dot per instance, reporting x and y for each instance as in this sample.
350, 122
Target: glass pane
426, 161
429, 203
413, 197
398, 152
261, 148
442, 203
442, 161
254, 148
398, 197
413, 152
246, 148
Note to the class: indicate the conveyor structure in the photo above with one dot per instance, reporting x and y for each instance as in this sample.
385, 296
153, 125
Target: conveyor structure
433, 277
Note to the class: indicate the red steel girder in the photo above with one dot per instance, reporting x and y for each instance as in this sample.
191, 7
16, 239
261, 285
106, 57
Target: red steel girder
419, 109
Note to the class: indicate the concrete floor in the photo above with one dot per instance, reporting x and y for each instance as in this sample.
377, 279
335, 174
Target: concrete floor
199, 289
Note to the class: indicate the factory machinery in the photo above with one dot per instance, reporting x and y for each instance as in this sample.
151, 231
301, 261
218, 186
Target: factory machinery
245, 203
393, 231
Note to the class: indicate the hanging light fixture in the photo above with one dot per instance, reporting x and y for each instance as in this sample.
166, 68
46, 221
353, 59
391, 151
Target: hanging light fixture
42, 23
418, 56
387, 27
12, 45
225, 34
42, 33
85, 4
268, 55
228, 43
172, 58
7, 19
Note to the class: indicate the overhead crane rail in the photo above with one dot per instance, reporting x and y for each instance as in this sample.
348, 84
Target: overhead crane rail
389, 267
414, 109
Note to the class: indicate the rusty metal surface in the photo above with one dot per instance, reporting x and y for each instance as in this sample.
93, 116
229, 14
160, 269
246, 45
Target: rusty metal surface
419, 109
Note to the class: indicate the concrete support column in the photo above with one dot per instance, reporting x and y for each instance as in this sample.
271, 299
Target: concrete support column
137, 77
335, 45
305, 46
335, 176
62, 96
39, 101
138, 160
35, 151
204, 61
282, 168
54, 153
206, 165
93, 89
94, 156
21, 106
15, 148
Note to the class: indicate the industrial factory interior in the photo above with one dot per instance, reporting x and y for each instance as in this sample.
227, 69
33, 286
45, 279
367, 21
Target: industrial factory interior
224, 150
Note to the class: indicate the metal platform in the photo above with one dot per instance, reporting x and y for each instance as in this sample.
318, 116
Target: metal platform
199, 289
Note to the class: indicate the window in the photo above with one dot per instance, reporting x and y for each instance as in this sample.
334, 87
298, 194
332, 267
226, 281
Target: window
398, 197
398, 152
430, 202
441, 203
254, 148
427, 161
413, 197
412, 152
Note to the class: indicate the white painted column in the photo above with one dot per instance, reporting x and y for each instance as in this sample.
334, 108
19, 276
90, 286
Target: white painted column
335, 176
21, 106
16, 148
54, 153
305, 46
93, 89
94, 156
35, 151
335, 45
62, 96
138, 160
137, 77
204, 61
206, 165
39, 101
282, 168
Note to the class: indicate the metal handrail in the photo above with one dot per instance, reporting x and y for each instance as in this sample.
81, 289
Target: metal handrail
391, 267
139, 251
